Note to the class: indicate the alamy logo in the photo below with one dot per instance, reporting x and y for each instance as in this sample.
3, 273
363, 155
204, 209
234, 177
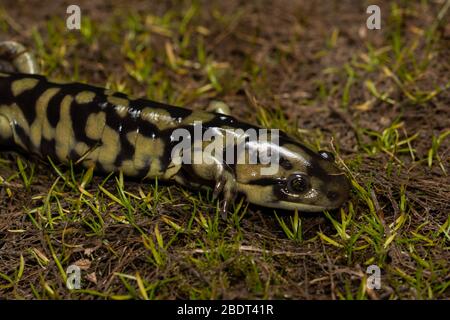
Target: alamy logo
73, 21
73, 277
374, 278
374, 20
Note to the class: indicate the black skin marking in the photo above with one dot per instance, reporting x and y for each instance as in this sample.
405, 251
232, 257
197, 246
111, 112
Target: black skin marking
228, 121
120, 95
279, 194
100, 167
48, 148
175, 112
73, 155
112, 119
331, 195
74, 88
269, 181
127, 151
23, 137
5, 90
6, 66
315, 170
167, 152
6, 144
141, 173
326, 155
54, 109
285, 164
148, 129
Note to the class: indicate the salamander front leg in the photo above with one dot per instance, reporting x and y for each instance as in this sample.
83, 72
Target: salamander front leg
225, 185
184, 180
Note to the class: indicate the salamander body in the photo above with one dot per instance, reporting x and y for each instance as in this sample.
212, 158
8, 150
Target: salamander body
112, 132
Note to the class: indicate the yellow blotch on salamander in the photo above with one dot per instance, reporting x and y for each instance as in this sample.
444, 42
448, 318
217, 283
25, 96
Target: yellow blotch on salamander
147, 150
81, 149
41, 127
155, 169
19, 86
64, 130
198, 116
159, 117
109, 148
88, 155
118, 101
128, 168
85, 97
121, 110
94, 125
5, 128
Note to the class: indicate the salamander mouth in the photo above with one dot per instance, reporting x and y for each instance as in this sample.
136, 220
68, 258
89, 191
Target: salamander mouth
300, 206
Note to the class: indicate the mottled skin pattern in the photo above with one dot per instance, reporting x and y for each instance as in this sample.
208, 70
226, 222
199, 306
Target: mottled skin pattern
111, 132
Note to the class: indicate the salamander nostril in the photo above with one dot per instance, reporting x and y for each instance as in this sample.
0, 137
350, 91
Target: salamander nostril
332, 195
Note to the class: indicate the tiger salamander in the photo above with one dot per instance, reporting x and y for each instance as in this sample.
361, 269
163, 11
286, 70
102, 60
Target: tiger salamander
112, 132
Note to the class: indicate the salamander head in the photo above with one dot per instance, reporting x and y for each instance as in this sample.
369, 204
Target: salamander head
303, 180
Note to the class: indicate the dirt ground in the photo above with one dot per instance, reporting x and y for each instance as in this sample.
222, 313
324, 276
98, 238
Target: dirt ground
379, 98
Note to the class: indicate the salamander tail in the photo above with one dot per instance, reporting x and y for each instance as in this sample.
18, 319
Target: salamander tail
14, 57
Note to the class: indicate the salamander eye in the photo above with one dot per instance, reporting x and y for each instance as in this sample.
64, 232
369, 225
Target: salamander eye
326, 155
297, 183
